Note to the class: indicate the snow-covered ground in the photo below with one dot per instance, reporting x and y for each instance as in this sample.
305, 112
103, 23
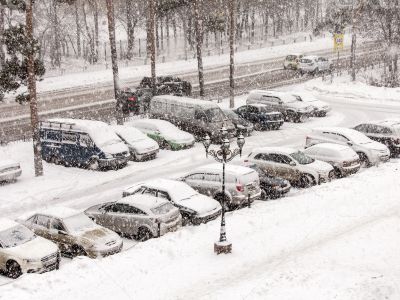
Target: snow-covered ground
335, 241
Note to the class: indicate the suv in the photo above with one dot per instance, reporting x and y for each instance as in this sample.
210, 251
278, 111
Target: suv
292, 109
21, 251
314, 64
242, 126
261, 116
369, 151
386, 132
240, 183
321, 108
292, 61
292, 165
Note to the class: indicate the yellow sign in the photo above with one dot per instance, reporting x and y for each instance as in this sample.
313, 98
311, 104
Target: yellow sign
338, 43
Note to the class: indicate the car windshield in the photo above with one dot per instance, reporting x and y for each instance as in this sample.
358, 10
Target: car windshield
16, 236
131, 135
163, 209
79, 222
231, 114
105, 136
263, 109
182, 192
359, 138
291, 57
301, 158
214, 115
305, 98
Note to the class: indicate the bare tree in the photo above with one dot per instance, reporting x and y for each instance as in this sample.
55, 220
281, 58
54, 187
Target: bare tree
199, 43
232, 19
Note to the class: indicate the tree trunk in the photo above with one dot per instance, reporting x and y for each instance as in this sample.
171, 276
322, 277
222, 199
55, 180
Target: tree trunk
78, 31
232, 53
2, 54
96, 30
199, 42
151, 42
114, 60
129, 29
56, 35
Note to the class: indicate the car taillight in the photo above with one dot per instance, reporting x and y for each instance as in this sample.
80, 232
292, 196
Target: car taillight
132, 99
240, 187
246, 160
346, 163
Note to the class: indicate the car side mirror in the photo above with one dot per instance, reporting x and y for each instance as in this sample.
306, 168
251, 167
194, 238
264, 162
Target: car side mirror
349, 143
292, 163
280, 102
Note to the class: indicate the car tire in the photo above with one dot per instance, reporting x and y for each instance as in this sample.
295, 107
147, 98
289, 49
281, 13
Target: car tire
77, 250
258, 127
144, 234
306, 181
13, 269
365, 163
338, 173
55, 160
93, 164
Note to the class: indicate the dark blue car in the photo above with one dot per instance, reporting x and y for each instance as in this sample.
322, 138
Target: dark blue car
261, 117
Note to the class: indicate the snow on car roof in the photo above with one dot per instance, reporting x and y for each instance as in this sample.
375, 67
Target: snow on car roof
388, 122
7, 224
285, 150
186, 100
60, 212
283, 95
310, 57
330, 146
144, 202
228, 168
77, 124
156, 122
342, 130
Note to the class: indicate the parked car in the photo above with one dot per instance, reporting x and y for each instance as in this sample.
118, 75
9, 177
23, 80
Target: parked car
167, 135
321, 108
194, 207
141, 147
74, 232
168, 85
139, 216
9, 170
262, 117
285, 103
314, 64
242, 126
386, 132
198, 117
84, 143
343, 159
292, 61
240, 183
292, 165
21, 251
271, 187
130, 101
369, 151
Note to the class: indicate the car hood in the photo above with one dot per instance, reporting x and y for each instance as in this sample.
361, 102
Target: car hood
318, 104
318, 166
201, 204
144, 145
99, 236
35, 249
115, 148
376, 146
179, 137
8, 163
300, 105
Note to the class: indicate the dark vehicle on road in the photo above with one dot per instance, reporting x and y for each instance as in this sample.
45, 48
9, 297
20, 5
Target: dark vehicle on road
261, 116
168, 85
386, 132
242, 126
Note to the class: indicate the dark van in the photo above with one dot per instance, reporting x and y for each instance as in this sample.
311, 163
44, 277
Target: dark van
83, 143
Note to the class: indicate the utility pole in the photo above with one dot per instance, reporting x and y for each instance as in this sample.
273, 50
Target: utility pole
353, 44
114, 61
199, 43
37, 155
151, 43
232, 54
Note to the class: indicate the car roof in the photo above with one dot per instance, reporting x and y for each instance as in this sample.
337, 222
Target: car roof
284, 150
161, 183
155, 122
388, 122
7, 224
330, 146
341, 130
60, 212
256, 105
310, 57
144, 202
187, 100
228, 168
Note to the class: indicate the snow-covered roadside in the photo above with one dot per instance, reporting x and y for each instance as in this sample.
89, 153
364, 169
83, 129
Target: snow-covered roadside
335, 241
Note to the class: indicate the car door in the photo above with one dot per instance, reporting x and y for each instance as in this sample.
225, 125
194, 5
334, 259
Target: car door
264, 162
116, 219
39, 224
282, 167
59, 234
211, 184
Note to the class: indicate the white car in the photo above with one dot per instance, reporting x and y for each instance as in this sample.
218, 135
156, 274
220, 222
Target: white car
369, 151
344, 159
140, 145
292, 165
9, 170
321, 108
314, 64
21, 251
166, 134
194, 207
292, 61
74, 232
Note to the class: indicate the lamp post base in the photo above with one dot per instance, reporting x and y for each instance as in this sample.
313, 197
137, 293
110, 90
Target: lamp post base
222, 247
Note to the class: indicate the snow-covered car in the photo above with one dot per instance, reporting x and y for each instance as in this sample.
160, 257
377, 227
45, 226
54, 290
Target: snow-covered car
292, 109
167, 135
292, 165
140, 145
139, 216
74, 232
292, 61
9, 170
194, 207
314, 64
261, 116
240, 183
386, 132
242, 126
321, 108
21, 251
369, 151
344, 160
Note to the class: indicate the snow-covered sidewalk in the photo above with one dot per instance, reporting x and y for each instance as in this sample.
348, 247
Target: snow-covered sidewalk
335, 241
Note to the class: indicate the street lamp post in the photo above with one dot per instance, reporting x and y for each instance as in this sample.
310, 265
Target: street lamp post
223, 155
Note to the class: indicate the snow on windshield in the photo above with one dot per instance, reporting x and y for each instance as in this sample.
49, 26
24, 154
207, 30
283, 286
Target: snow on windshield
301, 158
79, 222
104, 136
130, 134
182, 191
163, 209
16, 236
214, 115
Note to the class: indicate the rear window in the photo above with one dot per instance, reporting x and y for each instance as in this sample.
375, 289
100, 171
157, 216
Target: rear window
248, 178
163, 209
306, 61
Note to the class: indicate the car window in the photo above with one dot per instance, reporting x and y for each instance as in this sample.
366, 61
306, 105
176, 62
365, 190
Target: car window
69, 138
271, 99
162, 194
43, 221
53, 136
211, 177
197, 176
279, 158
262, 156
362, 128
151, 192
85, 140
242, 109
56, 225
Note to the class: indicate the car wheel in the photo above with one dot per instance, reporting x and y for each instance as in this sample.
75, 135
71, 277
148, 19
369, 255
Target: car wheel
316, 71
55, 160
93, 164
264, 195
144, 234
13, 269
258, 127
338, 173
77, 250
363, 160
306, 181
